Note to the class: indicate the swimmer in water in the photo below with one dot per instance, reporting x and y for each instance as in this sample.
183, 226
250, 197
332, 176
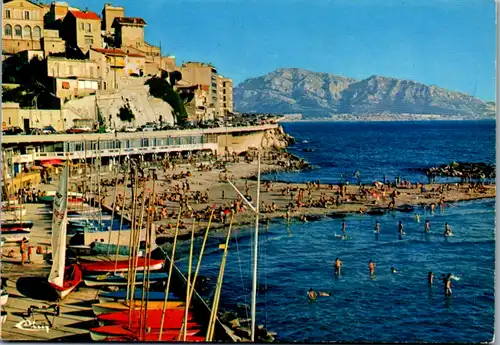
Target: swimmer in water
311, 294
427, 226
400, 228
393, 270
377, 227
344, 227
371, 266
447, 285
430, 278
417, 217
447, 230
338, 266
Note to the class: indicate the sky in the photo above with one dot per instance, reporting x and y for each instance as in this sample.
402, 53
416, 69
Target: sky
448, 43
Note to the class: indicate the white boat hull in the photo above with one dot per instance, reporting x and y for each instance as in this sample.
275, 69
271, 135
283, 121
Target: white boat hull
92, 283
96, 336
3, 299
63, 293
14, 213
14, 238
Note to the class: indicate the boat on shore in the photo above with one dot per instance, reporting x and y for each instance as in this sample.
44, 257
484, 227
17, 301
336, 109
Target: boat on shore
173, 317
12, 223
111, 307
120, 295
4, 297
90, 267
122, 280
132, 333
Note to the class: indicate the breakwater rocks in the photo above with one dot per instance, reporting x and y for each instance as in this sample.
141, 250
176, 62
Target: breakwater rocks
464, 170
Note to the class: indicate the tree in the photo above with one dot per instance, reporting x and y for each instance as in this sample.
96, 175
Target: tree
163, 88
125, 113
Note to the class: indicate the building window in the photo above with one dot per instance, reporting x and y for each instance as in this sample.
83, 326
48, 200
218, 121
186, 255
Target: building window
7, 30
27, 31
7, 14
91, 71
82, 26
27, 15
89, 27
224, 98
89, 40
37, 32
18, 32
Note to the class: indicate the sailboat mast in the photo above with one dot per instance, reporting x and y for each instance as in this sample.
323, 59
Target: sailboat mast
255, 253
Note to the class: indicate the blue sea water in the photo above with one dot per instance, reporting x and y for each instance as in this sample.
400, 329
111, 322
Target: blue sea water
388, 307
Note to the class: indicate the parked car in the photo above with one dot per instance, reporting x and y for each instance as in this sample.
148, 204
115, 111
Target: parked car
48, 130
13, 131
130, 129
148, 128
36, 131
76, 130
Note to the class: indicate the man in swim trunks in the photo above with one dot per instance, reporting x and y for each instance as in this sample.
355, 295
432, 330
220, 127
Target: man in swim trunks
344, 227
427, 226
393, 270
311, 294
371, 266
338, 265
377, 227
430, 278
447, 230
447, 285
400, 228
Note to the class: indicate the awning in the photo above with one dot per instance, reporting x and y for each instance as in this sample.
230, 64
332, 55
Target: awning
51, 162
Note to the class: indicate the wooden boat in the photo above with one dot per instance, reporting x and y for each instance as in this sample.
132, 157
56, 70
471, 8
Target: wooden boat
62, 279
111, 307
17, 213
119, 280
121, 266
121, 294
337, 215
9, 224
46, 199
173, 318
4, 297
72, 277
15, 231
103, 332
14, 237
4, 316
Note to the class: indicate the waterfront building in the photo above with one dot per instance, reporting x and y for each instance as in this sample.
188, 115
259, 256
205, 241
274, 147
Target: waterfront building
109, 13
70, 78
23, 26
81, 29
224, 104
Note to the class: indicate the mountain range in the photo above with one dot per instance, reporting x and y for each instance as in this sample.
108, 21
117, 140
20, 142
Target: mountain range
314, 94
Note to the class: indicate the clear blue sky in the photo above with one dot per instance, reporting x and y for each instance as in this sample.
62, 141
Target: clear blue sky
448, 43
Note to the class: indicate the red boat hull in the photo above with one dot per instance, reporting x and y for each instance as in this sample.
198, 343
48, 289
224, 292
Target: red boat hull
173, 317
154, 337
133, 333
121, 265
75, 277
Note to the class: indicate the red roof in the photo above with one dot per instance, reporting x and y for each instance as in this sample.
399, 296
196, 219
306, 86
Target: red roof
136, 55
109, 51
85, 15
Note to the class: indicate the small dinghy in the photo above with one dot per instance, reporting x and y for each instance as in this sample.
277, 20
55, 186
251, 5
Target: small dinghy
119, 280
14, 224
172, 317
4, 297
121, 294
111, 307
169, 334
119, 266
405, 208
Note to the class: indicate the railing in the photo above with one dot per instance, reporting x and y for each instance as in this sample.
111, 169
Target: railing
40, 156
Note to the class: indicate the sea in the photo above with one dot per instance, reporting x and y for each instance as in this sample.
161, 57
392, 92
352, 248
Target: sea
386, 307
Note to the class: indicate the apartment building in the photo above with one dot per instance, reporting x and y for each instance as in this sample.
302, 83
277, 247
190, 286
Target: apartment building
109, 13
72, 77
22, 22
52, 43
199, 73
129, 32
224, 105
81, 29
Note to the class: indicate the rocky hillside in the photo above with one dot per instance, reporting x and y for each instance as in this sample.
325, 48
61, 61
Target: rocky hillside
322, 94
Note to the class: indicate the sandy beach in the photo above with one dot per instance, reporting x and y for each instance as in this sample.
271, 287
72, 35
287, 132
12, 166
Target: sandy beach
76, 315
